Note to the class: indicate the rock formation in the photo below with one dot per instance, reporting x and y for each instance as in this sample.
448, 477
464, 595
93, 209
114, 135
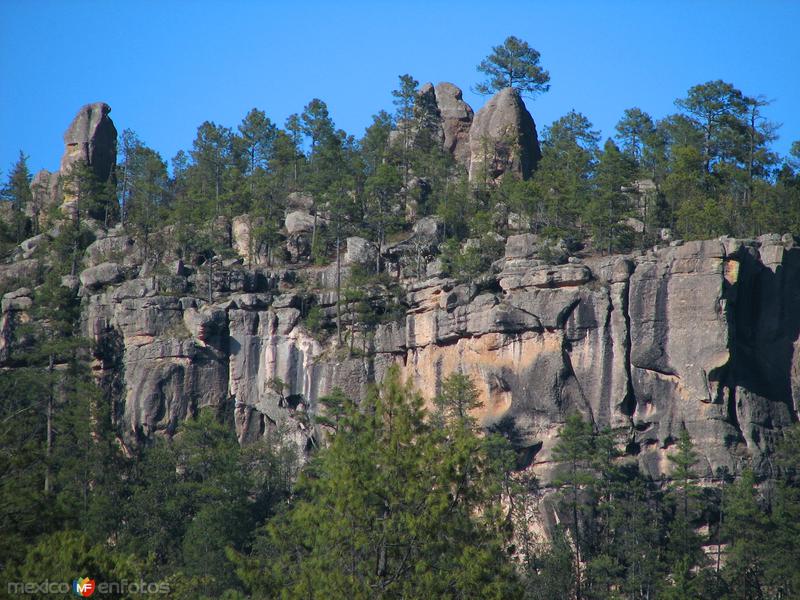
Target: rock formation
44, 195
503, 138
500, 138
702, 335
456, 121
92, 138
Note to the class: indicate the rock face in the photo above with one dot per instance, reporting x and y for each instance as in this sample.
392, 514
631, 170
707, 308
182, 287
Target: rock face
503, 139
456, 121
300, 226
703, 335
91, 137
360, 252
44, 192
103, 274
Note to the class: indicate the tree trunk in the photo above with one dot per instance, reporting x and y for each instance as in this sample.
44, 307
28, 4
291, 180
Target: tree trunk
49, 433
210, 280
338, 289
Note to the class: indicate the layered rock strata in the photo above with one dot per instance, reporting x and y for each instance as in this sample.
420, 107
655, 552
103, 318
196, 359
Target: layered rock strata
703, 335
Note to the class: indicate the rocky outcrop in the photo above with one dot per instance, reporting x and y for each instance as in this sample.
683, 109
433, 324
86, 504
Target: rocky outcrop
701, 335
503, 139
360, 252
92, 138
44, 195
103, 274
456, 118
300, 229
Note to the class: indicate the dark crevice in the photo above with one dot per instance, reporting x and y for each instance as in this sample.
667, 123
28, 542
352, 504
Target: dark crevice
664, 372
566, 312
569, 371
733, 416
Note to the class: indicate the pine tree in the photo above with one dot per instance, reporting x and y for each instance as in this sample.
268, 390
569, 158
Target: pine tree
575, 453
748, 532
513, 64
17, 191
684, 543
610, 204
382, 188
405, 98
633, 131
392, 509
563, 179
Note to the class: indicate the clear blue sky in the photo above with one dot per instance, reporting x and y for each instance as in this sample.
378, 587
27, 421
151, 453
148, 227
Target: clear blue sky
166, 66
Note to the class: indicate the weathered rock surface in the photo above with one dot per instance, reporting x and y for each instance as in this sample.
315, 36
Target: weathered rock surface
703, 335
44, 195
91, 137
457, 118
101, 275
360, 252
299, 221
503, 139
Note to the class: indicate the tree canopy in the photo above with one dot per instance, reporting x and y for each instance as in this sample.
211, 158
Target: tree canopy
513, 64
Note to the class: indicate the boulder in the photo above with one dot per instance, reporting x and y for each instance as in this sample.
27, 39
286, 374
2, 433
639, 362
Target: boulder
524, 245
29, 246
427, 229
113, 248
18, 272
299, 201
360, 252
242, 228
18, 300
503, 139
101, 275
299, 221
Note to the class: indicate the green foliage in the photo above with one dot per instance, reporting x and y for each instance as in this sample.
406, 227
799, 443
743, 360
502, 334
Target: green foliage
611, 204
563, 181
64, 556
387, 512
469, 261
457, 400
17, 192
86, 196
381, 189
142, 188
634, 130
513, 64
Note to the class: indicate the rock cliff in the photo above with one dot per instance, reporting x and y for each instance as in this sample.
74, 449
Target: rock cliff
702, 334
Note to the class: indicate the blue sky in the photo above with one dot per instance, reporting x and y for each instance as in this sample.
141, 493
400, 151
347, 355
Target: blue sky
166, 66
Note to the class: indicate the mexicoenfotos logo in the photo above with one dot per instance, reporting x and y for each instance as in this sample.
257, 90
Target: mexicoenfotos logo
83, 587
